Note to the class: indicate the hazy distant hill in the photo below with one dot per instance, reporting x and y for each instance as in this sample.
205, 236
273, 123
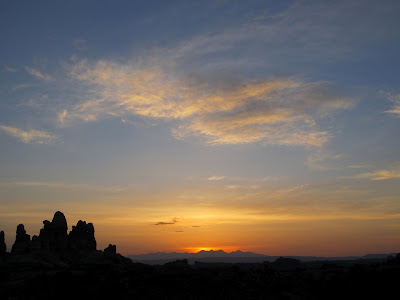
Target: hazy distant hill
233, 257
204, 256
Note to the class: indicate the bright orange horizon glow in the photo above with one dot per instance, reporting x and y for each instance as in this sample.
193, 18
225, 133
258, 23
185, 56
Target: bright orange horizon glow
215, 248
176, 228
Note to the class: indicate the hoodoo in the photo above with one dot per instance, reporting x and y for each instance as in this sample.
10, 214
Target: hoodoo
54, 239
22, 241
3, 245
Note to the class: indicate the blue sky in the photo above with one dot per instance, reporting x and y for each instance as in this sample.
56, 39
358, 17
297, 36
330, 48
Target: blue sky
244, 120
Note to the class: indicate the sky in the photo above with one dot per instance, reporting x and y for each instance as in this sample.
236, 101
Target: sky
264, 126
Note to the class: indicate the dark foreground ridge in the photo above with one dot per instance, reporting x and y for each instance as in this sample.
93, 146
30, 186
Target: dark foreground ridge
58, 265
220, 256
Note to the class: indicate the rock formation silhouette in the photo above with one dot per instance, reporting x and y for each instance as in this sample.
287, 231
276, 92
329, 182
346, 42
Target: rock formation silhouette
81, 238
53, 236
111, 249
55, 240
3, 246
22, 241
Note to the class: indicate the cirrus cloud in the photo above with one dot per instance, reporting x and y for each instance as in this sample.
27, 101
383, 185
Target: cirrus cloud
382, 174
280, 111
36, 73
29, 136
395, 99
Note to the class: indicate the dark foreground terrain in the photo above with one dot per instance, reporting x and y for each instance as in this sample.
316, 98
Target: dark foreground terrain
59, 265
112, 277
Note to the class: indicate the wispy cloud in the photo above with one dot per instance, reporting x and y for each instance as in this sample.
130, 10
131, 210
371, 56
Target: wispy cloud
21, 86
244, 187
310, 29
62, 116
383, 174
9, 69
174, 220
63, 185
358, 166
214, 178
395, 99
322, 160
279, 111
29, 136
38, 74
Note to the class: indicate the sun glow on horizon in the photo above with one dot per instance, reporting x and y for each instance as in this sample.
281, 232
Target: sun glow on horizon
215, 249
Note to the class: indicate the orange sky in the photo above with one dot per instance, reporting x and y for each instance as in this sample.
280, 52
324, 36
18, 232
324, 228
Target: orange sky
265, 126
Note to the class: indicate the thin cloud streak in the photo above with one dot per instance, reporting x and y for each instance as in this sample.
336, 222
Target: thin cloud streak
9, 69
215, 178
383, 174
174, 220
38, 74
395, 99
29, 136
60, 185
307, 26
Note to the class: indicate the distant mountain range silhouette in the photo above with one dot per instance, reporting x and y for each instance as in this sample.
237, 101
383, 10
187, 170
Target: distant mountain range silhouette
236, 257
